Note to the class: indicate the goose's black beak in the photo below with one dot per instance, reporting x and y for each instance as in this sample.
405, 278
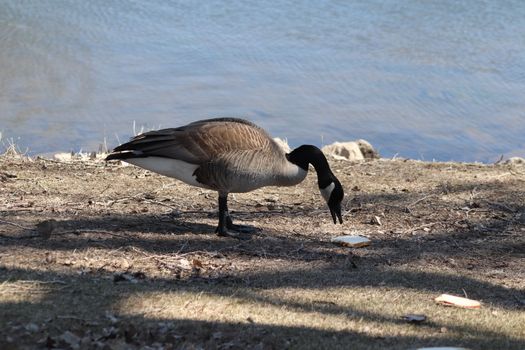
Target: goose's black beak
335, 210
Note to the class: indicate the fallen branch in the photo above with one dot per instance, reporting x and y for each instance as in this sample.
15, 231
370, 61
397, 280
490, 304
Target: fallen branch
62, 233
501, 206
77, 232
499, 160
459, 247
414, 229
43, 282
14, 224
19, 237
421, 199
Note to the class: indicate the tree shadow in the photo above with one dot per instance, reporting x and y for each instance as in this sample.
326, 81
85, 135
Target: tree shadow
80, 304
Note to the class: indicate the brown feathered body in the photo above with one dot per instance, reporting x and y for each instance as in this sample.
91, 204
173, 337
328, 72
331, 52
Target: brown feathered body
224, 154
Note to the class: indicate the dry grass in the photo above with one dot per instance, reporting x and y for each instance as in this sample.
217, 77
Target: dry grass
133, 260
9, 149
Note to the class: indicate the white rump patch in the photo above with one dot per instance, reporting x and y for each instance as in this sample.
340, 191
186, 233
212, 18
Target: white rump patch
178, 169
327, 191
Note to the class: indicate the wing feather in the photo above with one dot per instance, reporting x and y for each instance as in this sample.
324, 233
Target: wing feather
200, 141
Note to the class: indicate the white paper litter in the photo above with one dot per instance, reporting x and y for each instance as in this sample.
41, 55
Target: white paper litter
351, 241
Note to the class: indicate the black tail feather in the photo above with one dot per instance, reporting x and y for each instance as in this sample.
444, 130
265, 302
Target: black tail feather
124, 155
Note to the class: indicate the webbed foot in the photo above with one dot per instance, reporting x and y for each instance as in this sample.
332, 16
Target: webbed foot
240, 228
232, 233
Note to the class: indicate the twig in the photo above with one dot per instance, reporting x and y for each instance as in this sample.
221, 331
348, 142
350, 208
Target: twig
41, 186
62, 233
520, 301
105, 189
54, 160
43, 282
298, 249
69, 318
113, 201
208, 212
499, 160
502, 206
182, 247
152, 201
421, 199
457, 245
155, 257
18, 209
177, 255
414, 229
19, 291
19, 237
77, 232
14, 224
202, 252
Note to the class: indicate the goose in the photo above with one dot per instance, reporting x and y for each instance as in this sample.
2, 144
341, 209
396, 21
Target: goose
229, 155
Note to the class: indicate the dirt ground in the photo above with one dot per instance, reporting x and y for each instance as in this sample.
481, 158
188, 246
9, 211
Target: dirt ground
130, 259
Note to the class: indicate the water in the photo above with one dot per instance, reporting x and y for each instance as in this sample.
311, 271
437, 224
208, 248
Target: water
438, 79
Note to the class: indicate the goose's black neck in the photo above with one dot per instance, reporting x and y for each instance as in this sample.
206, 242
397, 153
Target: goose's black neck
308, 154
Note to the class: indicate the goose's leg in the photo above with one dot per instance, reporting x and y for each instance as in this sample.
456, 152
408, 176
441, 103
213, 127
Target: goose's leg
226, 227
238, 228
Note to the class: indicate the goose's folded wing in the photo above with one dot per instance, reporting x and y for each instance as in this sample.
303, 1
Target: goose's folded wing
168, 143
197, 142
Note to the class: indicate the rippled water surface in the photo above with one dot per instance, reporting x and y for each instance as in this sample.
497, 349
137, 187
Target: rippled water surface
423, 79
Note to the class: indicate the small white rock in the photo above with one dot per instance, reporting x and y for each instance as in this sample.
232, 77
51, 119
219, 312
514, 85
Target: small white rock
71, 339
32, 327
353, 150
63, 157
415, 318
515, 160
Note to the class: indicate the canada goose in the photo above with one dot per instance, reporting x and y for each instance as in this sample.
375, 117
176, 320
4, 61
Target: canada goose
229, 155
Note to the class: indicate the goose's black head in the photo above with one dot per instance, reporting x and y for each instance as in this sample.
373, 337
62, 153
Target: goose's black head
333, 194
329, 185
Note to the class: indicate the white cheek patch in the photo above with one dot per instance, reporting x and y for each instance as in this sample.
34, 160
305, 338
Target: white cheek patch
327, 191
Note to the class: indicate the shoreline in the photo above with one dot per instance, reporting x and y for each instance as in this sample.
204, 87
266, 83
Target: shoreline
10, 146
